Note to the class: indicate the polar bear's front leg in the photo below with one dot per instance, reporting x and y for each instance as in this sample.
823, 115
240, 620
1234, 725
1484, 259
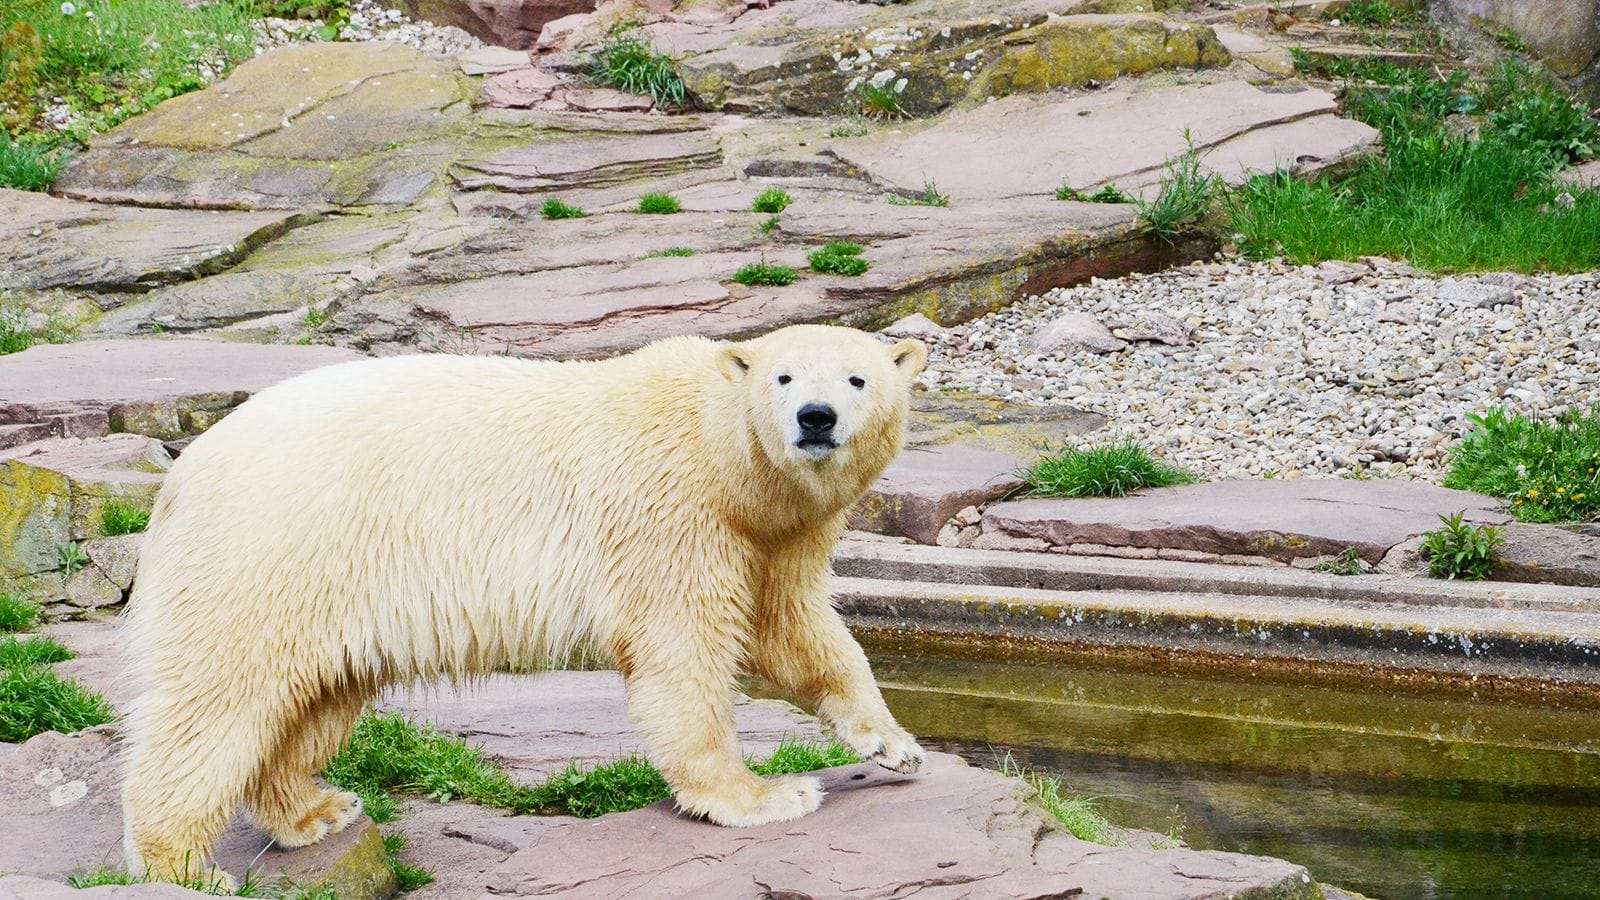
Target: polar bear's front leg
802, 645
681, 697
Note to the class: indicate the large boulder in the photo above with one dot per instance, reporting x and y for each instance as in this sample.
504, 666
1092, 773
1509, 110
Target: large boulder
504, 23
1563, 34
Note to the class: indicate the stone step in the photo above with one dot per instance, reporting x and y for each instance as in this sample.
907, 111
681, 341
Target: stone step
871, 560
1536, 644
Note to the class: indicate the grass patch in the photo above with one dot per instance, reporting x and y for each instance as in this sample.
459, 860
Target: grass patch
659, 204
766, 275
838, 258
17, 613
879, 101
250, 886
930, 196
1109, 193
119, 517
1461, 551
409, 877
1548, 471
33, 699
1080, 816
772, 200
1371, 14
94, 63
17, 334
1112, 471
770, 224
673, 251
631, 63
388, 754
1347, 563
555, 209
1184, 198
850, 126
1441, 199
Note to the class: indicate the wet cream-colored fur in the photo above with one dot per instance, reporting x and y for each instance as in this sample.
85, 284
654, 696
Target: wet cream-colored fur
396, 520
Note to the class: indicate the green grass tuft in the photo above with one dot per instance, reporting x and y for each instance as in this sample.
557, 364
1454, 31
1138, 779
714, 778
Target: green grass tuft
17, 613
770, 224
1347, 563
772, 200
16, 334
1113, 471
766, 275
120, 517
659, 204
33, 699
631, 63
1441, 199
555, 209
1548, 470
409, 877
838, 258
879, 101
1370, 14
30, 165
1109, 193
1185, 197
1461, 551
930, 196
1080, 816
673, 251
388, 754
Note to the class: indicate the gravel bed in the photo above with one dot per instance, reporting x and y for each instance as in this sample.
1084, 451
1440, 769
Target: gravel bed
370, 21
1331, 371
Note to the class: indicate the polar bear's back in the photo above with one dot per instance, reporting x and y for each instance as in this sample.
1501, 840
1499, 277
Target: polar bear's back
471, 505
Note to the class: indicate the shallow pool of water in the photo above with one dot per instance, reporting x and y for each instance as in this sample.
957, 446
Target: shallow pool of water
1394, 796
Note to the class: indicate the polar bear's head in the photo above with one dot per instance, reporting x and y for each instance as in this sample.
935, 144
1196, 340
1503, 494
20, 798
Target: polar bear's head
815, 393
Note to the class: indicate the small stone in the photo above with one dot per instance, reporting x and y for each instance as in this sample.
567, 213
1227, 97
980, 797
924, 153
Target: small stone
1072, 332
1402, 313
968, 516
1336, 271
995, 540
915, 325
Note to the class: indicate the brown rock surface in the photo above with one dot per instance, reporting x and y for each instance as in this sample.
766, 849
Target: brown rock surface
950, 832
927, 485
506, 23
1547, 553
1280, 520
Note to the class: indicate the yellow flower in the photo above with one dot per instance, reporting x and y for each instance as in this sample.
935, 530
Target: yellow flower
1560, 491
1532, 492
1578, 496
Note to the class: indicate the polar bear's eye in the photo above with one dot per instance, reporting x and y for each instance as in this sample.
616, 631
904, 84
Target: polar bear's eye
784, 379
856, 381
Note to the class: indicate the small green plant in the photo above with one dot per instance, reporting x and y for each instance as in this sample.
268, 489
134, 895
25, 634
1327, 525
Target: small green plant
880, 101
407, 876
121, 517
1111, 471
1185, 195
772, 200
1547, 470
17, 613
33, 699
316, 318
1461, 551
1370, 14
838, 258
673, 251
1108, 193
28, 166
631, 63
16, 334
555, 209
930, 196
1347, 563
659, 204
769, 224
765, 274
71, 557
1080, 816
1510, 40
854, 125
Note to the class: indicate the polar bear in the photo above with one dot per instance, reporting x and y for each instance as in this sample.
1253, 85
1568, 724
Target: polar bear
387, 521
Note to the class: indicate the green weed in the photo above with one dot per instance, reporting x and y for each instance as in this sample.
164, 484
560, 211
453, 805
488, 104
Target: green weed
17, 335
850, 126
33, 699
769, 225
1109, 193
387, 754
1347, 563
879, 101
29, 165
1548, 470
1111, 471
1510, 40
17, 653
18, 613
409, 877
1461, 551
659, 204
673, 251
765, 274
1184, 198
555, 209
1370, 14
1080, 816
930, 196
838, 258
772, 200
316, 318
631, 63
121, 517
71, 557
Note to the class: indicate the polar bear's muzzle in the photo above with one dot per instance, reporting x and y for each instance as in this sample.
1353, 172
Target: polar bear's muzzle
816, 421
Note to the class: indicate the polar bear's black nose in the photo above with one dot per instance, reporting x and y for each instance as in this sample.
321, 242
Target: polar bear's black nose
816, 419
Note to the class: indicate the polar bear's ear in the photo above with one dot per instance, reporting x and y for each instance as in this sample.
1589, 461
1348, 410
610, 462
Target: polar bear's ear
734, 363
909, 357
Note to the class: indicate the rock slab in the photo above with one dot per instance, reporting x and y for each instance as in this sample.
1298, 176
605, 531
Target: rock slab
950, 832
925, 486
1281, 520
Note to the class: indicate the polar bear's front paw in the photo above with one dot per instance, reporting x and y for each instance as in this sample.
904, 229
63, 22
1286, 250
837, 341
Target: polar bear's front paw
332, 813
758, 803
891, 746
